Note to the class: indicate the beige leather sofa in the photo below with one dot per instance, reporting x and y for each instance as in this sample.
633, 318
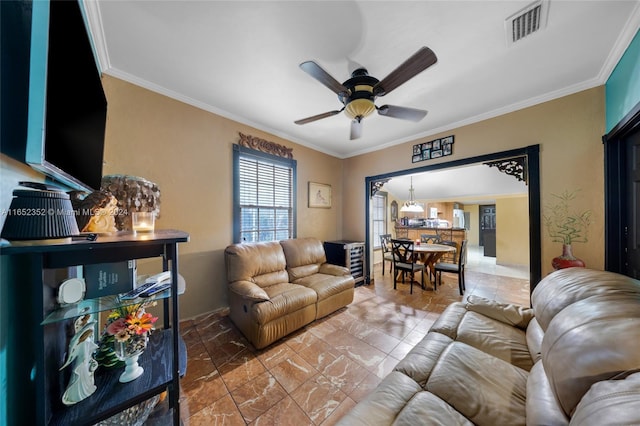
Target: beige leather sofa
573, 359
276, 288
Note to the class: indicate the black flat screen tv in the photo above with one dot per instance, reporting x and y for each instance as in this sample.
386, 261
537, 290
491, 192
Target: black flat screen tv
67, 106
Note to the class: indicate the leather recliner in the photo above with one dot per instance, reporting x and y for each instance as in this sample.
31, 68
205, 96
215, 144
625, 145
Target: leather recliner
572, 359
276, 288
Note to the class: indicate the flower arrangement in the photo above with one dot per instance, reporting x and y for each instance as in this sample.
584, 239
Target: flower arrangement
127, 325
129, 321
563, 225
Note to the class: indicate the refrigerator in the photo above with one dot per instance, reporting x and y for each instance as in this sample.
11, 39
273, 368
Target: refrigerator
458, 218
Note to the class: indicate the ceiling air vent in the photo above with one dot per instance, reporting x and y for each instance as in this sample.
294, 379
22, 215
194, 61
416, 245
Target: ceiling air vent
526, 21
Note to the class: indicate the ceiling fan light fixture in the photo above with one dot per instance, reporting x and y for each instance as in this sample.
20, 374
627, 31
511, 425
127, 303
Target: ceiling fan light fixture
359, 108
358, 93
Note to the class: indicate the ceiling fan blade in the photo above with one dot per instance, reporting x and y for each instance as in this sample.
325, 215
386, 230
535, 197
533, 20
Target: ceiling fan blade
315, 71
318, 117
403, 113
420, 61
356, 129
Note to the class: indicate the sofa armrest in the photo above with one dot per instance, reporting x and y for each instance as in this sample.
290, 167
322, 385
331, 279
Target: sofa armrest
249, 290
515, 315
331, 269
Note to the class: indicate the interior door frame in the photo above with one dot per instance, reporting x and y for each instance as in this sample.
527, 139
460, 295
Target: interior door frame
480, 228
532, 154
615, 177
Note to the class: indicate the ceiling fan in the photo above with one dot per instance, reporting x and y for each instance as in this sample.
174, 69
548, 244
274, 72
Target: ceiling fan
358, 93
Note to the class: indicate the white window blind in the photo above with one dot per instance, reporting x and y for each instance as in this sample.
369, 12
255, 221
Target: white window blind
265, 194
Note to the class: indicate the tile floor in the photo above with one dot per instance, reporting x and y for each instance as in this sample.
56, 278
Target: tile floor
314, 376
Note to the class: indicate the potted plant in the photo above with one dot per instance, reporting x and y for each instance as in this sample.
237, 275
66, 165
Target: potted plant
567, 227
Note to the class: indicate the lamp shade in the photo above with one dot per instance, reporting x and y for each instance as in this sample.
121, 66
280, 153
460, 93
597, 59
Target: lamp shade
39, 215
410, 206
359, 108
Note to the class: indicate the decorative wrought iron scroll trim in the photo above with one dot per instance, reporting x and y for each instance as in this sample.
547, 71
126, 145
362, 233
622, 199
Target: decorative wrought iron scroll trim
265, 146
516, 167
376, 185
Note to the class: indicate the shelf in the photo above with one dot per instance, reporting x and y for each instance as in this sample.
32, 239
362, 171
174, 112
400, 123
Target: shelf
115, 247
111, 240
112, 396
37, 384
92, 306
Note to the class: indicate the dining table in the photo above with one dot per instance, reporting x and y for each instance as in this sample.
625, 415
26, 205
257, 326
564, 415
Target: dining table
429, 254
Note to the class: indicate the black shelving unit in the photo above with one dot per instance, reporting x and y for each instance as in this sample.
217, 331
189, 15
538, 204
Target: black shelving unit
38, 342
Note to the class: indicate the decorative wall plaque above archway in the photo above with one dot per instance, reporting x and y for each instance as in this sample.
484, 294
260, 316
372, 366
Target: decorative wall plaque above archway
516, 167
377, 185
265, 146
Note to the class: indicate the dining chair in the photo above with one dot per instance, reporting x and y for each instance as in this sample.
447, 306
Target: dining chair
429, 238
454, 268
385, 244
451, 257
404, 260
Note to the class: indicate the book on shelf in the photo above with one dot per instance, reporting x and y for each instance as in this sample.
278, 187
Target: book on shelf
106, 279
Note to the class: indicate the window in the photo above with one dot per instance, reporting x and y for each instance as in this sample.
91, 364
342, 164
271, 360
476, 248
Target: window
264, 196
379, 217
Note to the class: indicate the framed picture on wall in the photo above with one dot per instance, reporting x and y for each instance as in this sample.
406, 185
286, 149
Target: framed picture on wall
319, 195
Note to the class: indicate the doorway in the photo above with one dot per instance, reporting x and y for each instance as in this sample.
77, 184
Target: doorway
487, 215
622, 196
531, 154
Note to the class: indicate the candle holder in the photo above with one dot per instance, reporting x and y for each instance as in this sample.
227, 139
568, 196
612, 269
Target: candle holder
142, 222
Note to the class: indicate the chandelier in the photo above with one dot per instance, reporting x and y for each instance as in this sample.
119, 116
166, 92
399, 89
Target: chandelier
410, 206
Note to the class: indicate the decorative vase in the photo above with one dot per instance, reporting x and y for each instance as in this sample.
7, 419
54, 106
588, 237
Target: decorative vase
129, 351
106, 355
567, 259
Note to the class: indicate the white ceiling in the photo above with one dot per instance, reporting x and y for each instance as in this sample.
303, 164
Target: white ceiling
239, 59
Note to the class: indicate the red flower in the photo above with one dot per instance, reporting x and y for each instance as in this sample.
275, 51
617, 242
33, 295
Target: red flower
117, 326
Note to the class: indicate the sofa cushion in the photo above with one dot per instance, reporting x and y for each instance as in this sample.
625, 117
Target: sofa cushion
421, 360
542, 406
326, 285
487, 334
331, 269
381, 407
561, 288
495, 338
249, 290
484, 389
261, 263
447, 323
426, 409
507, 313
534, 340
591, 340
284, 298
303, 257
610, 402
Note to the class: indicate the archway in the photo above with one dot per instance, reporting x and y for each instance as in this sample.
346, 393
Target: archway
530, 153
